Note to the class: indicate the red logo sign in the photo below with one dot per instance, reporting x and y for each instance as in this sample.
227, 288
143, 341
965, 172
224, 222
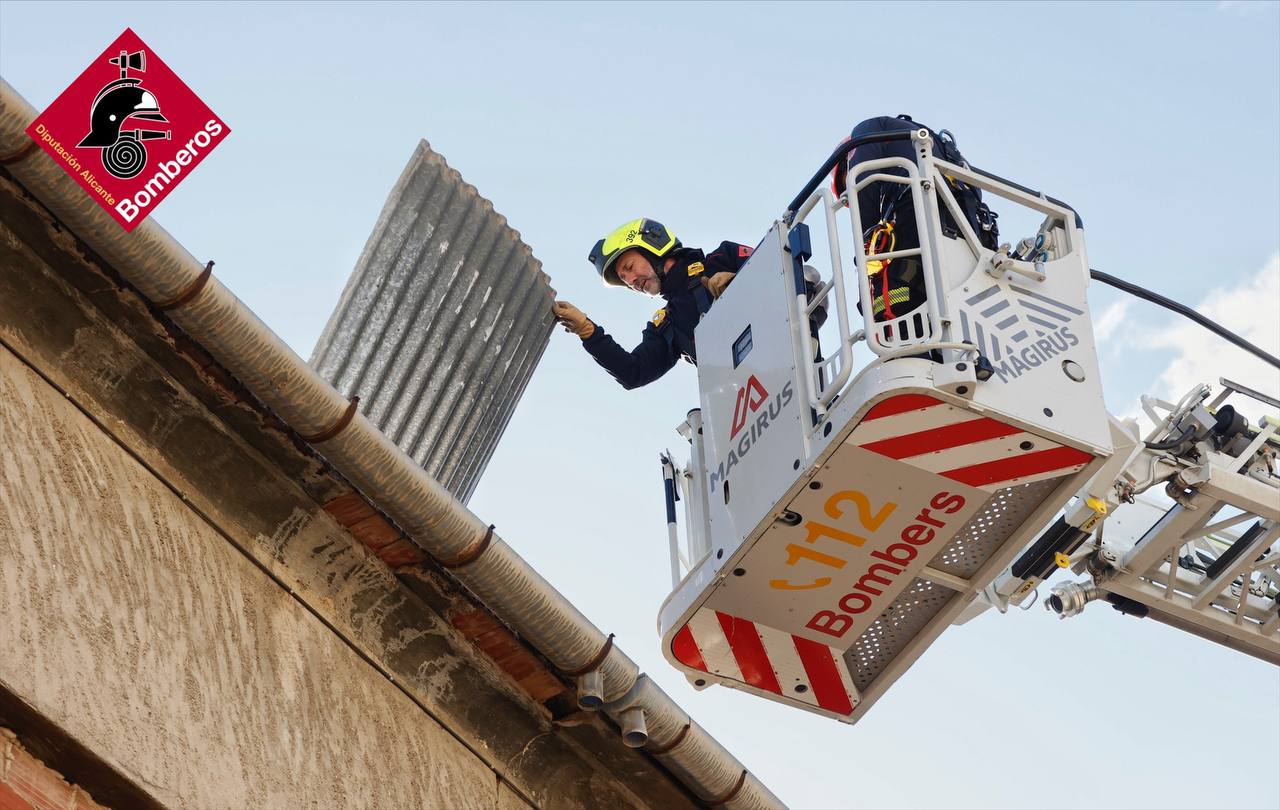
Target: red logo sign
128, 130
750, 398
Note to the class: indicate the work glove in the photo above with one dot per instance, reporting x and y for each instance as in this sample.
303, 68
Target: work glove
717, 284
573, 320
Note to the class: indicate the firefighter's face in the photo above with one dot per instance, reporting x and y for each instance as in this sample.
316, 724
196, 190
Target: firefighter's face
635, 271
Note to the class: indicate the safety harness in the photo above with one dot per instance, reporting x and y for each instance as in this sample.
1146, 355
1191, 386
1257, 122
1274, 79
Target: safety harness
677, 337
881, 237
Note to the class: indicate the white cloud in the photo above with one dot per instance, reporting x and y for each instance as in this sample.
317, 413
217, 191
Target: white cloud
1111, 318
1251, 310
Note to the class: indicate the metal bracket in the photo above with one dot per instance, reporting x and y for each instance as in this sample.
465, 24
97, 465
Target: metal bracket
325, 435
471, 553
679, 738
733, 792
1001, 263
190, 291
14, 157
595, 662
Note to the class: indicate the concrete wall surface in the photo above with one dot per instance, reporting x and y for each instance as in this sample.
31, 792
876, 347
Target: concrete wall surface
176, 601
137, 628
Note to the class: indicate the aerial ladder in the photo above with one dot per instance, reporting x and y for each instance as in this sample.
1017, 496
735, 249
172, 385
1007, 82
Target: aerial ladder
836, 520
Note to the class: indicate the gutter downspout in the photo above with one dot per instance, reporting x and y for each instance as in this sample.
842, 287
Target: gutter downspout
169, 276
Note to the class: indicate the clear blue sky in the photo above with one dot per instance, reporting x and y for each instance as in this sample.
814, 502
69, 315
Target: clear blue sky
1157, 122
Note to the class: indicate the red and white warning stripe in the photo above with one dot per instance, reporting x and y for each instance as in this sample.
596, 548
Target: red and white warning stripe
961, 445
768, 659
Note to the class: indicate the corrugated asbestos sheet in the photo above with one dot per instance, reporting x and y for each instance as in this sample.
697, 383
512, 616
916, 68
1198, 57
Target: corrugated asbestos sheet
441, 324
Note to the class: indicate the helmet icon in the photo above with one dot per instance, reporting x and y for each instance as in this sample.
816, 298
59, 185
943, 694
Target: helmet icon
123, 154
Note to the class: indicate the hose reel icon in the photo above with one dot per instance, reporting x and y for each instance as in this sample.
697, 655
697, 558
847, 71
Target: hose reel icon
123, 153
125, 158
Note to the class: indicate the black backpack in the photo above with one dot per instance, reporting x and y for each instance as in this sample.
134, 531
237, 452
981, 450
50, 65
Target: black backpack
879, 198
891, 202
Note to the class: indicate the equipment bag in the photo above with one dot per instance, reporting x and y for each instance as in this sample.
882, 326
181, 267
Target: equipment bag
888, 217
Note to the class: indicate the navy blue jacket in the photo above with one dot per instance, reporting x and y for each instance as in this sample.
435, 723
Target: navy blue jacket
669, 335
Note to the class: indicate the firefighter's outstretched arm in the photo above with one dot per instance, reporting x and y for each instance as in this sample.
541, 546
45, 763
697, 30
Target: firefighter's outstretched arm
642, 365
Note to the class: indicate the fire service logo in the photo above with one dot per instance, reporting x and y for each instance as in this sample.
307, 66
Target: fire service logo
750, 398
753, 412
128, 130
1019, 331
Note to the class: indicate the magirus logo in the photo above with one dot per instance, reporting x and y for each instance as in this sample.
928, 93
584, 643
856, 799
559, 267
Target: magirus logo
130, 151
1019, 331
750, 398
753, 411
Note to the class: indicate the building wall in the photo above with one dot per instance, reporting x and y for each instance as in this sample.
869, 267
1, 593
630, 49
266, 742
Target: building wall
136, 627
177, 602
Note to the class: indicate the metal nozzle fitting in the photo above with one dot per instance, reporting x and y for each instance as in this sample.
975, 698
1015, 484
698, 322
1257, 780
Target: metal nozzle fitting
1069, 598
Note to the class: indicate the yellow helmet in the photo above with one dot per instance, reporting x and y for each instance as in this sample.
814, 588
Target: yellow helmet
648, 235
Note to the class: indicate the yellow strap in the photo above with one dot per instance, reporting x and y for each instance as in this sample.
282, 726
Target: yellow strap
874, 266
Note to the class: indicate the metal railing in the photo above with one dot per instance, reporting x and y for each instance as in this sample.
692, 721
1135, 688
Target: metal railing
1189, 566
822, 380
920, 324
1192, 567
927, 326
685, 484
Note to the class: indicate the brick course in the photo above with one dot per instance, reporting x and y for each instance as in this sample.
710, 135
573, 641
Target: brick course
26, 783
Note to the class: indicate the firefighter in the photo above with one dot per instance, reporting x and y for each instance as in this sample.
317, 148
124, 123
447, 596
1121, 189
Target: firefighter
646, 257
889, 218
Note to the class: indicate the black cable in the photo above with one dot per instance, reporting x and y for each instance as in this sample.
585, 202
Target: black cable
1181, 309
845, 148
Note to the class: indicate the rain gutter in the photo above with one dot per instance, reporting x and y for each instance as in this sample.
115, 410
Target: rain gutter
163, 271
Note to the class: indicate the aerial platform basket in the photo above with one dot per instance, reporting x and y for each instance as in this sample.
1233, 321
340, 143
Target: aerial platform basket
837, 522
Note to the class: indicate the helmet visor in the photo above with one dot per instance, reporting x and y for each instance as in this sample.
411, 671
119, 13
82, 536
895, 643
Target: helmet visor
603, 262
597, 257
